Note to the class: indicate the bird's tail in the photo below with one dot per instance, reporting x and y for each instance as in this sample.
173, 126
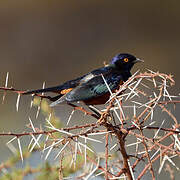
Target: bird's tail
56, 89
58, 100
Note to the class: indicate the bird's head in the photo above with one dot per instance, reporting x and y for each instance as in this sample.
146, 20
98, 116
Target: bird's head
125, 61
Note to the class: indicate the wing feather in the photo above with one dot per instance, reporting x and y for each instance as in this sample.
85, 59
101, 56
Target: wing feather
94, 87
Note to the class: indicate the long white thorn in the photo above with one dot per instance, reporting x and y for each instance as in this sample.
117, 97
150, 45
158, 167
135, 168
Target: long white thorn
17, 102
49, 151
159, 129
61, 131
155, 154
113, 147
12, 148
38, 110
61, 150
70, 116
44, 83
11, 140
162, 164
53, 144
32, 126
99, 133
7, 77
32, 101
132, 91
33, 137
91, 139
106, 84
134, 110
47, 137
123, 87
109, 89
132, 144
75, 151
93, 171
132, 174
20, 149
85, 151
169, 159
36, 142
86, 147
79, 147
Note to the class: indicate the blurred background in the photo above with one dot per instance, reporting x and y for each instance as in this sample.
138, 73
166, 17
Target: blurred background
58, 40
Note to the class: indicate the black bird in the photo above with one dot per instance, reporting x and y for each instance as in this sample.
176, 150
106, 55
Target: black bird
91, 88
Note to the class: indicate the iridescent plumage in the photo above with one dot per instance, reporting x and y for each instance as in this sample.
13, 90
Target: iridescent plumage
91, 88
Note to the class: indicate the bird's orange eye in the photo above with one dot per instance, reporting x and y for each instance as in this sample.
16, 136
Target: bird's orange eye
126, 59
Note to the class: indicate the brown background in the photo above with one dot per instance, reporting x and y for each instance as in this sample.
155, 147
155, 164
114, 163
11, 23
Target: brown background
57, 40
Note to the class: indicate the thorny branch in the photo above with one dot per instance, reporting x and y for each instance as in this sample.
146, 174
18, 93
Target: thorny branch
143, 94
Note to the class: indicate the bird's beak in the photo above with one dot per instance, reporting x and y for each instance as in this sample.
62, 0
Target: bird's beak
138, 60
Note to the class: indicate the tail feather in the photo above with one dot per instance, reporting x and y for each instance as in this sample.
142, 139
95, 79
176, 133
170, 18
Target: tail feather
55, 98
51, 89
58, 101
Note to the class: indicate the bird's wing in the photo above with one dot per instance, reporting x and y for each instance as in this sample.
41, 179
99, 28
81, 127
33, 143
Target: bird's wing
92, 88
61, 89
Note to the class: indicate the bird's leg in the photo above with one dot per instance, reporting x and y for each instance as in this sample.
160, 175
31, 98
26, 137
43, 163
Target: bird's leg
95, 110
83, 110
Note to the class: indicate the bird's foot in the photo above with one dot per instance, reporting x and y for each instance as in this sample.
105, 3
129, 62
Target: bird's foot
104, 118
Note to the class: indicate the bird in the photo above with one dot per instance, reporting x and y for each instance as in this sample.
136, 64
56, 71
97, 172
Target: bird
93, 87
